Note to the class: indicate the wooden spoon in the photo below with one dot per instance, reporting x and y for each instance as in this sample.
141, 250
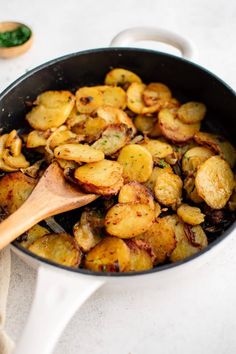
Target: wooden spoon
52, 195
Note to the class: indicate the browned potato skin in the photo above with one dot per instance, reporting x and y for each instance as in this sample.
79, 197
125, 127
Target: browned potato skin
134, 192
215, 182
110, 255
59, 248
15, 188
140, 258
156, 92
126, 220
161, 238
190, 215
121, 77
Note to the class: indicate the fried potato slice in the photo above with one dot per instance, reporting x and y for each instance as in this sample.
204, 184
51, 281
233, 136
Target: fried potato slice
144, 124
190, 215
151, 182
33, 234
217, 144
158, 149
137, 163
78, 153
37, 138
191, 112
88, 99
103, 177
155, 92
59, 248
134, 192
215, 182
13, 143
126, 220
110, 255
161, 237
112, 115
172, 128
15, 162
114, 96
114, 137
140, 259
3, 165
135, 97
88, 231
15, 188
51, 110
193, 159
168, 188
189, 186
121, 77
61, 136
186, 247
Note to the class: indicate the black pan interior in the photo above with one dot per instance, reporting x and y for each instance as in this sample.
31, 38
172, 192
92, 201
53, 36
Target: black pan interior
187, 81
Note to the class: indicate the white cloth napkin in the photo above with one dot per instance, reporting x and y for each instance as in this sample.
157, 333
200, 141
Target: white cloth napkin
6, 344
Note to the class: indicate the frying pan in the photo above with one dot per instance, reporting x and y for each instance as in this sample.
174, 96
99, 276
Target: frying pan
60, 291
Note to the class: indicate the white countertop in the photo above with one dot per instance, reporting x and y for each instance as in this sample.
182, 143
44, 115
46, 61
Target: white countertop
196, 314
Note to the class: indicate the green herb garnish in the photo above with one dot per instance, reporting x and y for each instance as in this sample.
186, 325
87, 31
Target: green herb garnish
15, 37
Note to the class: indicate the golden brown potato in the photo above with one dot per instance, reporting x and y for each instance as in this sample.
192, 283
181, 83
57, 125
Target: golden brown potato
156, 130
126, 220
151, 182
134, 192
155, 92
33, 234
14, 190
51, 110
103, 177
88, 231
59, 248
114, 137
65, 164
168, 188
135, 97
172, 128
144, 124
78, 153
217, 144
190, 215
192, 194
110, 255
3, 165
14, 161
137, 163
158, 149
114, 96
161, 238
121, 77
62, 135
36, 138
140, 259
193, 159
215, 182
88, 99
191, 112
13, 143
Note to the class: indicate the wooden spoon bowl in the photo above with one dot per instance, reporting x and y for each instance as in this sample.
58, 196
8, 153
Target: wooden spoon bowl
11, 52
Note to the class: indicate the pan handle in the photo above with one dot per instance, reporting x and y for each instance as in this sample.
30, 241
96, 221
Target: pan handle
185, 46
58, 295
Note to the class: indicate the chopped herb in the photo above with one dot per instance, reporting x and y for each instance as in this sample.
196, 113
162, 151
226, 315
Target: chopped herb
15, 37
162, 163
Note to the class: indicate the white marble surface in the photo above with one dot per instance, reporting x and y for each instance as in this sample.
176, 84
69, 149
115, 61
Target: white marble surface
196, 314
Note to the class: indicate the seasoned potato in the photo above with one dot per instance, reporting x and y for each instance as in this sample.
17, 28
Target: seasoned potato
156, 130
135, 97
134, 192
3, 165
191, 112
161, 237
137, 163
172, 128
14, 161
158, 149
140, 259
151, 182
215, 182
33, 234
88, 99
193, 159
127, 220
155, 92
88, 231
112, 115
51, 110
190, 240
103, 177
61, 136
190, 215
192, 194
65, 164
59, 248
121, 77
36, 138
217, 144
114, 96
114, 137
145, 124
110, 255
13, 143
78, 153
14, 190
168, 188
